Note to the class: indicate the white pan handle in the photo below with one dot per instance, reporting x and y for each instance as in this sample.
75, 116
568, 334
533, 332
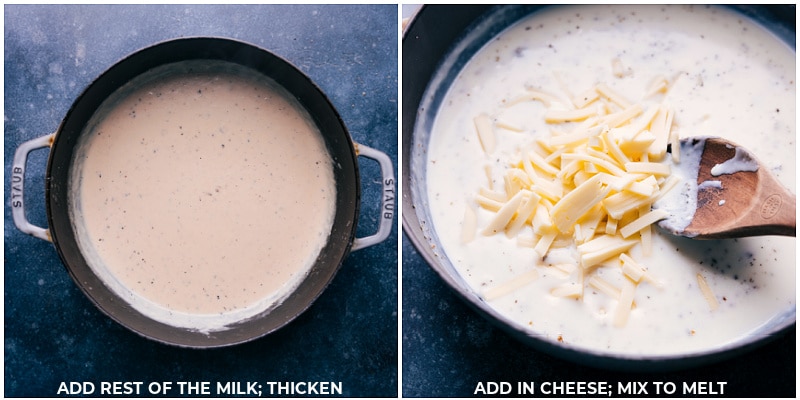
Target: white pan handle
17, 183
388, 197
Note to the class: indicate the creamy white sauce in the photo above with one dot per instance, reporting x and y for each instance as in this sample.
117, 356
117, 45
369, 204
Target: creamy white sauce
740, 162
681, 201
732, 79
711, 184
202, 194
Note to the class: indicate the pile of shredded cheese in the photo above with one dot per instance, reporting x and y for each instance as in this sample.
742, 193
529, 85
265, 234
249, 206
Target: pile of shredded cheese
588, 186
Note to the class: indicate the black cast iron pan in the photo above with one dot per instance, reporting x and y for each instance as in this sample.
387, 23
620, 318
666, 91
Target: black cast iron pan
58, 171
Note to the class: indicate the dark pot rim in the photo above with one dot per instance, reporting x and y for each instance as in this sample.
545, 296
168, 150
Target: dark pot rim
338, 142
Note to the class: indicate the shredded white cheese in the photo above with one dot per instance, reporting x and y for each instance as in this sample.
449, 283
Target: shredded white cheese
589, 185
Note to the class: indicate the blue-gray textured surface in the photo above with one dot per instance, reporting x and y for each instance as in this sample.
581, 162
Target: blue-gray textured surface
52, 331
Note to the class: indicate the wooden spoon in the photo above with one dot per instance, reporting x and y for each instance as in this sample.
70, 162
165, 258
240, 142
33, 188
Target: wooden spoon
736, 195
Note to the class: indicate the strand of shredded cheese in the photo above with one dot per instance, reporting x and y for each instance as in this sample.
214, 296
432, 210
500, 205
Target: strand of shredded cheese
511, 285
713, 304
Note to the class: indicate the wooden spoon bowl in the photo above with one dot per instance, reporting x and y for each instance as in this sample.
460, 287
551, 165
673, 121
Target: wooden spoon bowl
744, 199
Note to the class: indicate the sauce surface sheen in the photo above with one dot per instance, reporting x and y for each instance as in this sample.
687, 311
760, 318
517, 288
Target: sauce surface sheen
203, 193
